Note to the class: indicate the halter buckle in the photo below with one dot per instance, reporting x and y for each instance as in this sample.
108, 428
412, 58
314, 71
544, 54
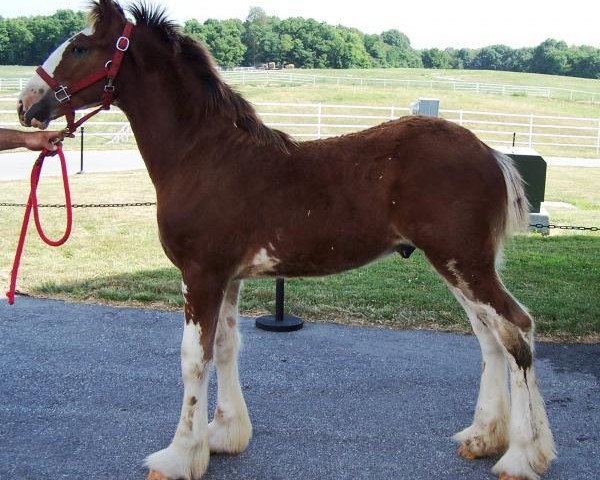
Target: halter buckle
62, 94
118, 44
109, 87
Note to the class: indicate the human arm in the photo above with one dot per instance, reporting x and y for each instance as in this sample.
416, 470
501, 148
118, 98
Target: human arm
31, 140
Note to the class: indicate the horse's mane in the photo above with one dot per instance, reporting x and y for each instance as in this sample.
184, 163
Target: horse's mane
222, 100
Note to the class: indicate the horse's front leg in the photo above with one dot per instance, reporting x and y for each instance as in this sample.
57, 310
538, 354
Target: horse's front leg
231, 430
188, 454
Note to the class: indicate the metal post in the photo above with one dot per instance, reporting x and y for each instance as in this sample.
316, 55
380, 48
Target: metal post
81, 131
280, 322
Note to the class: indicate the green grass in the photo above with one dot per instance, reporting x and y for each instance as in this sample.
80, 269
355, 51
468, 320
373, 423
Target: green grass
114, 256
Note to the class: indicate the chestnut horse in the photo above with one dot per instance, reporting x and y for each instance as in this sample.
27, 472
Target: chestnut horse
236, 199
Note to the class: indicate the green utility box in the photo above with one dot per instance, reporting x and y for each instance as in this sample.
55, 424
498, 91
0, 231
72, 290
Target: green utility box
532, 168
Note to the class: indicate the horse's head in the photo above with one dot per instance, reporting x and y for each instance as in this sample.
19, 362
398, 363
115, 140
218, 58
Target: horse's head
77, 58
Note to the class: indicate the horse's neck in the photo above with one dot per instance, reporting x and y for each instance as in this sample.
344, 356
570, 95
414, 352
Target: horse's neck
164, 134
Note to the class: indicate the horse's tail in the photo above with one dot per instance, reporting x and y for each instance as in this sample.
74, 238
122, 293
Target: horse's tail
516, 216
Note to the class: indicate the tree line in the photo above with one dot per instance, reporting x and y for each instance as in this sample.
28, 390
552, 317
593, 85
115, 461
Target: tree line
307, 43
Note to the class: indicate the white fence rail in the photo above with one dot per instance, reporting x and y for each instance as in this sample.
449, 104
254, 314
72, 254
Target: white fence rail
282, 77
286, 77
550, 135
12, 84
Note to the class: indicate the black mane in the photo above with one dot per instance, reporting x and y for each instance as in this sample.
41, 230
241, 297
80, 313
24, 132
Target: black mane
156, 18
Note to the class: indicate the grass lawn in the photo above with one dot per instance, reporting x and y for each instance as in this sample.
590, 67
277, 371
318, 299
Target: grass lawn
114, 256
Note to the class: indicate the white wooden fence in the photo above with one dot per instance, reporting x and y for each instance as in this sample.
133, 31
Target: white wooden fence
550, 135
286, 77
277, 77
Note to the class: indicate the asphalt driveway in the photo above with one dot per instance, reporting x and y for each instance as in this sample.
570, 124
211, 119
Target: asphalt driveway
86, 392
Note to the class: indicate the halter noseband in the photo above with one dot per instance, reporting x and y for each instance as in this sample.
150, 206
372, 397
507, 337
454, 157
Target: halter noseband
63, 93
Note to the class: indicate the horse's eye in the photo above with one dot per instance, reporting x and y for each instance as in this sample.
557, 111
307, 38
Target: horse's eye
79, 49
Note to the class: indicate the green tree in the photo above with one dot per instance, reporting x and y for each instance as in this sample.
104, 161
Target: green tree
519, 60
584, 61
396, 38
19, 42
435, 58
377, 50
222, 37
491, 58
348, 49
550, 57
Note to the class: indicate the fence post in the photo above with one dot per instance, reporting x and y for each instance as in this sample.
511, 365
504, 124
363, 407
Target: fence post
531, 131
460, 118
392, 116
319, 113
598, 139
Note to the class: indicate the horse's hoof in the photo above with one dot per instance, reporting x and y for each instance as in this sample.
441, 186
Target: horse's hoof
154, 475
464, 452
506, 476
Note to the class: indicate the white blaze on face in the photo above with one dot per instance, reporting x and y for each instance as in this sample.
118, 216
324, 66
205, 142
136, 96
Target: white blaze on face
36, 88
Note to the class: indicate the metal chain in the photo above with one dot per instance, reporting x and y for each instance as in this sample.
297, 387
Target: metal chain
564, 227
81, 205
151, 204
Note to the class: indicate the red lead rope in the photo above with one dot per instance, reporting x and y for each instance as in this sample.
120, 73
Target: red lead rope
32, 204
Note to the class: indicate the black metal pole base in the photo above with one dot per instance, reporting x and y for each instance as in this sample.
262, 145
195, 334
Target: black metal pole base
289, 323
279, 322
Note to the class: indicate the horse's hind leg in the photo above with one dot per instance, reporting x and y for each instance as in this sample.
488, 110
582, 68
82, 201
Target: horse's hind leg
496, 315
488, 435
231, 430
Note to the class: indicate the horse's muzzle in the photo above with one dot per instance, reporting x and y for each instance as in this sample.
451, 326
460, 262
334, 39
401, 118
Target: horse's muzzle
37, 115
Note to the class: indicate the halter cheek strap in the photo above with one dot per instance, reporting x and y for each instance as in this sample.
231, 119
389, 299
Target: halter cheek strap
63, 93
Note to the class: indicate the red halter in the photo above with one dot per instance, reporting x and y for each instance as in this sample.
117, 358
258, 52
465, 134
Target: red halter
64, 93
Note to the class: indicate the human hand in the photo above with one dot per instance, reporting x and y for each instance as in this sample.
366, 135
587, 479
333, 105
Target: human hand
47, 140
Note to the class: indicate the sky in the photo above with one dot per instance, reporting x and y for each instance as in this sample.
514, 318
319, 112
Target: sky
428, 24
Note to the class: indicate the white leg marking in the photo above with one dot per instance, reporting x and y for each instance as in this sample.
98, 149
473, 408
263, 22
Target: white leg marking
188, 454
231, 430
488, 434
531, 447
530, 443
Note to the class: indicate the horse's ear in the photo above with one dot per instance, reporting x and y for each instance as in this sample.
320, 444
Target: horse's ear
105, 13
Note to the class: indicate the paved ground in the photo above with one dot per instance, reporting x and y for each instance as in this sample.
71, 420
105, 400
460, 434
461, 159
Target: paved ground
17, 165
88, 391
